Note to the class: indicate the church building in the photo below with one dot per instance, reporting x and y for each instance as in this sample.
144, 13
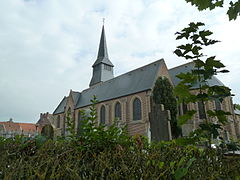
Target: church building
127, 98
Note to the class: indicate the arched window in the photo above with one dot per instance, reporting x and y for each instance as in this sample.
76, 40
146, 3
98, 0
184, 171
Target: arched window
184, 107
201, 110
58, 121
79, 124
64, 125
218, 105
137, 109
69, 113
102, 114
118, 112
68, 117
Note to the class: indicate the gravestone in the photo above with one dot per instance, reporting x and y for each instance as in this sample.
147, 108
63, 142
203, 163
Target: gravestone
160, 123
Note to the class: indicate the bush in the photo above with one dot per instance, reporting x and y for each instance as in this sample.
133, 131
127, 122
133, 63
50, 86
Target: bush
109, 153
64, 159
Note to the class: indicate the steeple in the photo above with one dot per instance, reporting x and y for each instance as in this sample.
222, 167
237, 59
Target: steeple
102, 56
102, 67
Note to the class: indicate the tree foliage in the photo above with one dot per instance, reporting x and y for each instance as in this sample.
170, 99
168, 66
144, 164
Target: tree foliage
163, 94
233, 9
237, 106
204, 68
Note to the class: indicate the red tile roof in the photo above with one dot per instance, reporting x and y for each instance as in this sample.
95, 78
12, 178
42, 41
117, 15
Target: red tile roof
27, 127
21, 127
10, 126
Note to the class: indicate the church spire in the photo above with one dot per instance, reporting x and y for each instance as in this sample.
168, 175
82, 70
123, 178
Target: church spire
103, 67
102, 56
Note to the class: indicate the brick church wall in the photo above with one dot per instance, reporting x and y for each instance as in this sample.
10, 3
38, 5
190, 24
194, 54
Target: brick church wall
134, 127
226, 105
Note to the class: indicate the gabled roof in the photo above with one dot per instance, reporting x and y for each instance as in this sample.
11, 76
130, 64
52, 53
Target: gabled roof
76, 96
61, 106
138, 80
102, 51
187, 68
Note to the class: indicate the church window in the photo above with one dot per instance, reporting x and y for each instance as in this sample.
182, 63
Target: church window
118, 111
64, 125
58, 121
102, 114
137, 109
201, 110
184, 107
79, 124
179, 109
69, 112
68, 116
217, 104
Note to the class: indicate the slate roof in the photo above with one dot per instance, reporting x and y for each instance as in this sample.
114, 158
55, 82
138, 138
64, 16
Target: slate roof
138, 80
63, 103
60, 108
102, 51
187, 68
76, 96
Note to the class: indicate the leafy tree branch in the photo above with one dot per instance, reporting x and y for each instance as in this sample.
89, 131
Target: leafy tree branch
197, 80
233, 9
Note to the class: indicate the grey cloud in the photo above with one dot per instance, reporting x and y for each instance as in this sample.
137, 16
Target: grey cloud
48, 47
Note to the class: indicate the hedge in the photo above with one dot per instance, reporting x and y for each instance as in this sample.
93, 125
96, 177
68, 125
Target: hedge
65, 159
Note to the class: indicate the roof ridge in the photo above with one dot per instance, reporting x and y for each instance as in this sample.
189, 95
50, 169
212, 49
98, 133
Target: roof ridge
123, 74
25, 123
59, 104
181, 65
75, 91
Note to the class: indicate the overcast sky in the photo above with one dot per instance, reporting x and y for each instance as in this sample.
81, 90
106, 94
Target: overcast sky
47, 47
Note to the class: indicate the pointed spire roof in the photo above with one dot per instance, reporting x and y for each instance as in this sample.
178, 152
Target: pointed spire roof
102, 51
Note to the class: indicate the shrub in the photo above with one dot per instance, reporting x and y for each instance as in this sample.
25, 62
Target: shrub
101, 153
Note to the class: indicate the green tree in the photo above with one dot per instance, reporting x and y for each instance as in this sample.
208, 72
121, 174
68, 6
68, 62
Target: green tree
205, 67
163, 94
233, 9
237, 106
